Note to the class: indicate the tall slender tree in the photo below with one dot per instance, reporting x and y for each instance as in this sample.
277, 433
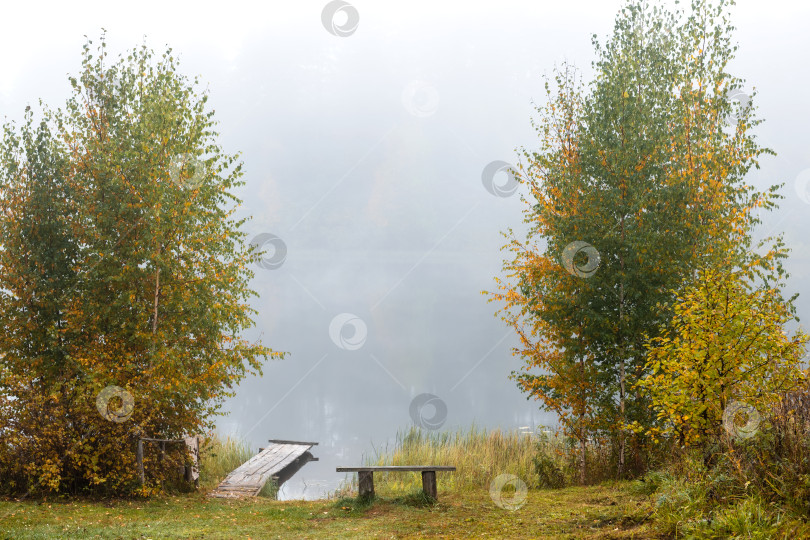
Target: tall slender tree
37, 260
637, 182
145, 280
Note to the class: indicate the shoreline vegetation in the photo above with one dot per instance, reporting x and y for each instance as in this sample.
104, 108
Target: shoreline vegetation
649, 323
681, 499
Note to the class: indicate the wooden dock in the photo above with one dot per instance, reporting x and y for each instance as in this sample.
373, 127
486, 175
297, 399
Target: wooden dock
278, 462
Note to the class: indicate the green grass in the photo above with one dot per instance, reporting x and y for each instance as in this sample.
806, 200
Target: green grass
606, 511
668, 504
684, 508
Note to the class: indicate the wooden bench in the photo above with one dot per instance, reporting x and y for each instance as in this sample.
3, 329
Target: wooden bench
365, 476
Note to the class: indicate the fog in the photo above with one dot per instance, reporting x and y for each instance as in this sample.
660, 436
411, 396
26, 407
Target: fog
363, 156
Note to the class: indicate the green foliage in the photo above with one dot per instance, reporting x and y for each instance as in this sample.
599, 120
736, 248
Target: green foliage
649, 483
549, 474
269, 490
726, 343
754, 488
557, 461
645, 168
750, 518
124, 279
688, 508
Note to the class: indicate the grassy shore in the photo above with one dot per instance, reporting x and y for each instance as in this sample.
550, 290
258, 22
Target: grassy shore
472, 503
465, 508
606, 511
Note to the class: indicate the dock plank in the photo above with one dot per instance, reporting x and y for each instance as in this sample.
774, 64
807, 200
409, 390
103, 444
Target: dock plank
249, 478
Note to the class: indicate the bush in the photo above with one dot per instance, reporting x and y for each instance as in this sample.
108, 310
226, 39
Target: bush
549, 475
754, 488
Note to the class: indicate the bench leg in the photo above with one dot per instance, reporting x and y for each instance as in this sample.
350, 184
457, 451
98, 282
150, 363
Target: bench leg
429, 484
365, 483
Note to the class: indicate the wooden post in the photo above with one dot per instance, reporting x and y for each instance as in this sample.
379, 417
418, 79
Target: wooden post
429, 484
139, 459
365, 483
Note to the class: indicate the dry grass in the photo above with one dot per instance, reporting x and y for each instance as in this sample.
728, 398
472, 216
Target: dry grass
218, 457
478, 455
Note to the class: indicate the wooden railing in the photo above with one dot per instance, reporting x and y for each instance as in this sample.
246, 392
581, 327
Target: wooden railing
188, 468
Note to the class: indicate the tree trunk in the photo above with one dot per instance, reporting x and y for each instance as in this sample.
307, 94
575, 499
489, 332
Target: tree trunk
582, 448
157, 294
622, 374
582, 431
139, 461
622, 440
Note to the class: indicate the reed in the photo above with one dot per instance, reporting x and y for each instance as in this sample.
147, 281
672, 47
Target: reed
478, 455
219, 456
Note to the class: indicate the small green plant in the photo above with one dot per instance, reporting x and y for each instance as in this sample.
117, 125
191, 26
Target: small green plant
269, 490
354, 505
750, 518
680, 506
416, 498
549, 475
650, 483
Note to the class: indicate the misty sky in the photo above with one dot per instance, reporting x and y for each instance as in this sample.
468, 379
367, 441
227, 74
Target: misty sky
363, 154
